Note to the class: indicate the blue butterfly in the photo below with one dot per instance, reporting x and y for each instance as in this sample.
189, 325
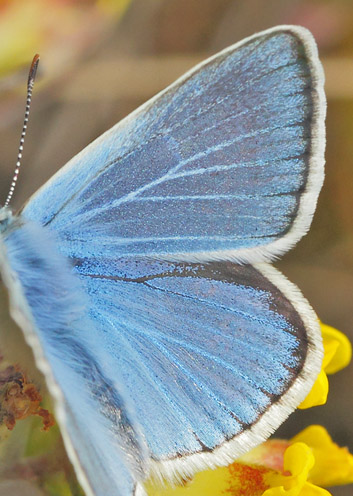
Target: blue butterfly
139, 273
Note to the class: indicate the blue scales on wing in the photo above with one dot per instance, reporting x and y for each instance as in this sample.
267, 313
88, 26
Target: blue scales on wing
221, 165
225, 164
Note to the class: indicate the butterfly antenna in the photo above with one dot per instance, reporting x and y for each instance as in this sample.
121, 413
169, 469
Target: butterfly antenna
30, 84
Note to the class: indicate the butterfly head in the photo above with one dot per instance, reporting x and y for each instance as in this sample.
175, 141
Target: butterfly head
5, 217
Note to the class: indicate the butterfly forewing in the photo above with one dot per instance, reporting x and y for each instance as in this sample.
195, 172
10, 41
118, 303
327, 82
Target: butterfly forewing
225, 164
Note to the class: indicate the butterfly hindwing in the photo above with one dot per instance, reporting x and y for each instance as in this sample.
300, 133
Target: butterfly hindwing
211, 357
214, 355
98, 427
226, 163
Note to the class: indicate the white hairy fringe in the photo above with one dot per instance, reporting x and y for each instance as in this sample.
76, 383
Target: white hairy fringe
140, 490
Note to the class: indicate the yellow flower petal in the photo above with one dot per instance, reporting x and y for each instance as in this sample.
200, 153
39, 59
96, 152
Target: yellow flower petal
337, 355
311, 490
318, 393
333, 464
237, 479
276, 491
298, 460
337, 341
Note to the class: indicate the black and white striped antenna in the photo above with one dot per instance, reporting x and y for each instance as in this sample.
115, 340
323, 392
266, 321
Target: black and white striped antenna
30, 84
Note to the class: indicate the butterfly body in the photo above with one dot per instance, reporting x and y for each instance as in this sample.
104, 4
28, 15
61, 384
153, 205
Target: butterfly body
139, 277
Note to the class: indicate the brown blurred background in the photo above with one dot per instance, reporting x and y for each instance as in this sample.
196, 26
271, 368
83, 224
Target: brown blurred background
100, 60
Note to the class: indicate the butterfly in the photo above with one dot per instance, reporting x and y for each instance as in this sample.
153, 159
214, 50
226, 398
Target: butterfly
140, 276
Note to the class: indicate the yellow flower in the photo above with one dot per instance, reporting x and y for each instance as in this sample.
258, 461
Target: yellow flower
338, 349
298, 461
333, 465
337, 355
299, 467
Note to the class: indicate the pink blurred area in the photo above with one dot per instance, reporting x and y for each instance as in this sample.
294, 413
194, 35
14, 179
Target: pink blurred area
109, 58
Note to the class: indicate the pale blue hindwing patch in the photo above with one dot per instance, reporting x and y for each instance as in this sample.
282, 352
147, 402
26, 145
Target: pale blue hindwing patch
204, 349
100, 426
218, 162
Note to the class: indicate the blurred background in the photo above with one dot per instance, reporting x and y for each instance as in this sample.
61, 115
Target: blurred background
101, 59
